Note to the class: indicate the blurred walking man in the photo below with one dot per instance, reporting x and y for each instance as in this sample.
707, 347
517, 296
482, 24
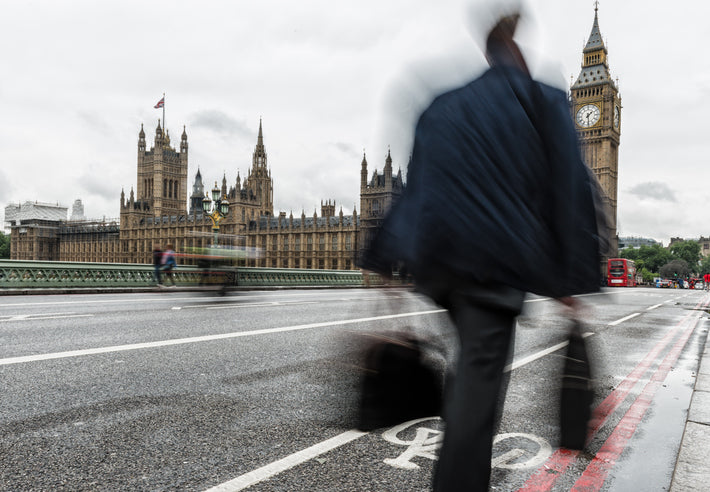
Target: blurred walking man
498, 203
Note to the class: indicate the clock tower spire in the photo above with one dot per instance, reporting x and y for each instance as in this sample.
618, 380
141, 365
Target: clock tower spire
597, 114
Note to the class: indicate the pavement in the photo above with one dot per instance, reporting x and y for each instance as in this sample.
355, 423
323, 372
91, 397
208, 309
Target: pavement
692, 469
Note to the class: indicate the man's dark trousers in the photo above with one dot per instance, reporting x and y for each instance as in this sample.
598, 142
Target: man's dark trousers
485, 321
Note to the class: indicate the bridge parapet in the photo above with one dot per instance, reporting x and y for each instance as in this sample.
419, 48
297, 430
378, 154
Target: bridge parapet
16, 274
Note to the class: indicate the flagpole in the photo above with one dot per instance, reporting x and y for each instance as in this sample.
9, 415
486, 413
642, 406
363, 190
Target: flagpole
165, 127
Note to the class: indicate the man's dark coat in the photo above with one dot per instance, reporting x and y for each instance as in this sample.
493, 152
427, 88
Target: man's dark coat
497, 193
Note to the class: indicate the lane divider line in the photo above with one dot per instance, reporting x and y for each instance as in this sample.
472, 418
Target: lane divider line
540, 354
625, 318
268, 471
34, 317
205, 338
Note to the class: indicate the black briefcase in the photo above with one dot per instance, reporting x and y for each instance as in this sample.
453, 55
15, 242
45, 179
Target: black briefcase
398, 383
577, 392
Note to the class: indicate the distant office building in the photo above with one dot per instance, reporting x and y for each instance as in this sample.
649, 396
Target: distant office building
635, 242
77, 210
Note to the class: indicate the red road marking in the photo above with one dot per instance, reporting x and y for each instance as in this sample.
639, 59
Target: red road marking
545, 477
593, 477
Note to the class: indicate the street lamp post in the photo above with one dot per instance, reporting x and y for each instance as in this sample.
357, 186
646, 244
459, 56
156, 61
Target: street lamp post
216, 213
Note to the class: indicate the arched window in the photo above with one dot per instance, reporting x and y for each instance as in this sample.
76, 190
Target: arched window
165, 188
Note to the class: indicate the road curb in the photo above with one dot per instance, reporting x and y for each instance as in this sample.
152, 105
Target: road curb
692, 469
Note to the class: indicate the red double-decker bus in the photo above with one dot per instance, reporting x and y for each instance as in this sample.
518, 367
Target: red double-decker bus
621, 273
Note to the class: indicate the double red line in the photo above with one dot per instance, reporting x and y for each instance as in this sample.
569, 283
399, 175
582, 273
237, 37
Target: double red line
596, 472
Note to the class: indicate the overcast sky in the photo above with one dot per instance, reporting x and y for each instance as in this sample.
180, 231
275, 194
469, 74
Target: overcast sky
329, 80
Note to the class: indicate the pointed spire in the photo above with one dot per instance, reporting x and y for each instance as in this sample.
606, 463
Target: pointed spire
184, 133
259, 158
142, 133
595, 41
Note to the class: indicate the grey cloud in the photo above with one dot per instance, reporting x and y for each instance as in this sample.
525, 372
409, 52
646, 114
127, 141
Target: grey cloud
346, 148
220, 123
99, 186
5, 187
93, 120
654, 190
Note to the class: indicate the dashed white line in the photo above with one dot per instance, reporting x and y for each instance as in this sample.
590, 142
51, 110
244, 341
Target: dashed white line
267, 471
530, 358
654, 307
625, 318
262, 304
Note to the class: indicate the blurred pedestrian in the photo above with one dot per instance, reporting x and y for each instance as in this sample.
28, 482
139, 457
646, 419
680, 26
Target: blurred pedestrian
168, 263
157, 262
498, 203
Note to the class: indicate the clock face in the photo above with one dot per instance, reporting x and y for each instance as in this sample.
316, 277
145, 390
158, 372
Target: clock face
588, 115
617, 116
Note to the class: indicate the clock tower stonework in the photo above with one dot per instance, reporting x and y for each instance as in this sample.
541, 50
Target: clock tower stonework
596, 107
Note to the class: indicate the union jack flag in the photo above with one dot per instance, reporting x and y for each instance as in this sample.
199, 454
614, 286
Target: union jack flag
161, 103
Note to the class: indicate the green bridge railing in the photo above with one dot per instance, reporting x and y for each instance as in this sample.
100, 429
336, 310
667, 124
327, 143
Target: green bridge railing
16, 274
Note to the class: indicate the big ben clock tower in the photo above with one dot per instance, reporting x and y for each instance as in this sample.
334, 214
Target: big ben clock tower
596, 107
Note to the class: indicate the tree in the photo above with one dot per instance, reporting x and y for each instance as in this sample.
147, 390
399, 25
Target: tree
650, 257
4, 245
647, 275
675, 269
705, 265
688, 251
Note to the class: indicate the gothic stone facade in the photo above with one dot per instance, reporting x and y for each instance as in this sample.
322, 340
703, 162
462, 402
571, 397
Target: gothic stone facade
157, 214
596, 107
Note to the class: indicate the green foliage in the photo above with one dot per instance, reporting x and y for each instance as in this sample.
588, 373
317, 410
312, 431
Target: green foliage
675, 269
647, 275
650, 257
705, 265
4, 245
688, 251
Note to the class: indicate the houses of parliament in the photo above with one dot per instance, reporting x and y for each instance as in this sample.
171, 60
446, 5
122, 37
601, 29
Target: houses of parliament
163, 209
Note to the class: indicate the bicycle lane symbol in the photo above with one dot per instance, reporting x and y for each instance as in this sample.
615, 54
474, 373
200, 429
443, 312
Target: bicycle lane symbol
427, 441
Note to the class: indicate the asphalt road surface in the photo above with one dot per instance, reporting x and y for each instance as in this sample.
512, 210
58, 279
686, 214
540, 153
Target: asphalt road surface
255, 390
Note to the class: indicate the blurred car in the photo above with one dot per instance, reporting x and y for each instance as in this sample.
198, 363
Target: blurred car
664, 283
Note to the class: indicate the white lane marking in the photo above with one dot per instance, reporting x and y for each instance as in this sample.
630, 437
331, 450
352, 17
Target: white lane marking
160, 297
538, 355
263, 304
654, 307
33, 317
625, 318
205, 338
267, 471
